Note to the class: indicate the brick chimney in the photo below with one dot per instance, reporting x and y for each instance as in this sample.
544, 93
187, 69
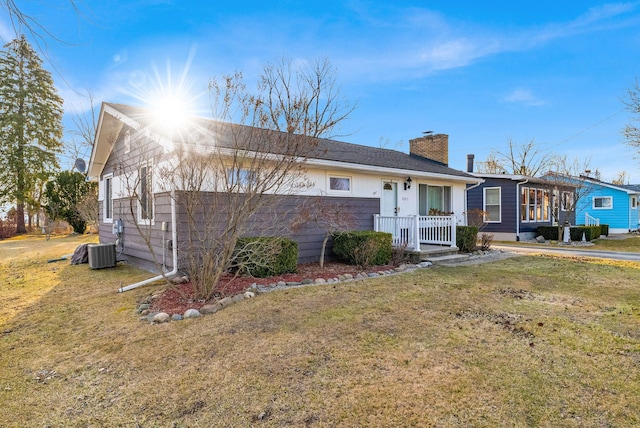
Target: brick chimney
434, 147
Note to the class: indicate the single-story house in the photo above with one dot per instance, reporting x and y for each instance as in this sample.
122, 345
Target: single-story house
516, 205
389, 190
606, 203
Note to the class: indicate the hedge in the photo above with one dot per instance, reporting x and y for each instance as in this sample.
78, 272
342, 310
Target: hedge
266, 256
466, 238
590, 232
363, 247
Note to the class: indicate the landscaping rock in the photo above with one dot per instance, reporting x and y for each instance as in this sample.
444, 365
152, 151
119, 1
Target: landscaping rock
372, 275
281, 284
237, 298
307, 281
348, 276
293, 283
320, 281
161, 317
143, 307
540, 239
192, 313
425, 264
176, 317
226, 301
249, 294
210, 309
179, 280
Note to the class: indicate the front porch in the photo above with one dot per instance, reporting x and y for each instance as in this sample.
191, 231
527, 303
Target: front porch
414, 232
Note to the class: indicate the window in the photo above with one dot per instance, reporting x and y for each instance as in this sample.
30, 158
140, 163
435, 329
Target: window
535, 204
492, 206
241, 178
108, 199
602, 202
567, 201
127, 141
340, 184
634, 202
145, 197
434, 199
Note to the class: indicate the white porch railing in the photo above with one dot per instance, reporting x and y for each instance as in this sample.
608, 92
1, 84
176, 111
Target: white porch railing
416, 230
591, 221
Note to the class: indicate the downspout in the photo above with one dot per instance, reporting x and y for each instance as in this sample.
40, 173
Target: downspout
466, 206
518, 208
470, 158
174, 237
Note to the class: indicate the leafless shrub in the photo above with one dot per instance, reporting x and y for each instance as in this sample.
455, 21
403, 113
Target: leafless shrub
486, 239
365, 253
398, 254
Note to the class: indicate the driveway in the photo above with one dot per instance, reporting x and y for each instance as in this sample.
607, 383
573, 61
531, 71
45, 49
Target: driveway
569, 252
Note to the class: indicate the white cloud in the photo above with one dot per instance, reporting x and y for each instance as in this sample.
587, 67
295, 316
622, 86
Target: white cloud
419, 41
523, 96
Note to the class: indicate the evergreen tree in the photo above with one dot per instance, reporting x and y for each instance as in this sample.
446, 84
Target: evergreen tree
64, 194
30, 124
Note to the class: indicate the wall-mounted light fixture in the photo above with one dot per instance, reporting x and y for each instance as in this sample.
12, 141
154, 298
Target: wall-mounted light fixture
407, 183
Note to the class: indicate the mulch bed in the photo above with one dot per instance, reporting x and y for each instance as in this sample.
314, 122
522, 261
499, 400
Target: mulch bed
178, 299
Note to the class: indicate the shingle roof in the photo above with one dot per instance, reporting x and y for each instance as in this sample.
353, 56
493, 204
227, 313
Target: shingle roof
335, 151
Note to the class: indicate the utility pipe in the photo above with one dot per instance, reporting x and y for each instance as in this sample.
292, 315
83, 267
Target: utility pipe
174, 237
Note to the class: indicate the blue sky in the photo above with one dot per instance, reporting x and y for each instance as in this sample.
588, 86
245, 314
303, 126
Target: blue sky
555, 72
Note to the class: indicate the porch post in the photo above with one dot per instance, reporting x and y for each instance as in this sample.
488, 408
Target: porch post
376, 222
453, 231
416, 233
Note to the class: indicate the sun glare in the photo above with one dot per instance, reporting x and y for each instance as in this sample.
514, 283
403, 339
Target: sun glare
168, 98
171, 113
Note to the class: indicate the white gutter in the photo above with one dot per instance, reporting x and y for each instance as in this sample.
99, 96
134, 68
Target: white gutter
174, 237
518, 208
466, 201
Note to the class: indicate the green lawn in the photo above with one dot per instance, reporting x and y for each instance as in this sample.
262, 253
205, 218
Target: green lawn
527, 341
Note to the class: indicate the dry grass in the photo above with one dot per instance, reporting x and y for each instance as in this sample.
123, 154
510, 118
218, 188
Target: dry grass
528, 341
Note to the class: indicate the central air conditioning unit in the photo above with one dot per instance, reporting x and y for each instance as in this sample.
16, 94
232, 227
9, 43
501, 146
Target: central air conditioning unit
102, 256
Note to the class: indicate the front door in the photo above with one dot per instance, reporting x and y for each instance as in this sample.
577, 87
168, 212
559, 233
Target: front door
389, 203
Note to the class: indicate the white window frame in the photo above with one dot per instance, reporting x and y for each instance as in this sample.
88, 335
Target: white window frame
547, 201
567, 197
484, 204
150, 220
331, 177
603, 207
108, 198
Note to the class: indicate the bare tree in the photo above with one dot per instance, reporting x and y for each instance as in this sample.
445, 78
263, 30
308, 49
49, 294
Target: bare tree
569, 188
83, 132
491, 166
518, 159
239, 175
632, 103
621, 178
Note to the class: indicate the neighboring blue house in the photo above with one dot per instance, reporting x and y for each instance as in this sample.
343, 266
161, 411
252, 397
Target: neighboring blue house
515, 205
606, 203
